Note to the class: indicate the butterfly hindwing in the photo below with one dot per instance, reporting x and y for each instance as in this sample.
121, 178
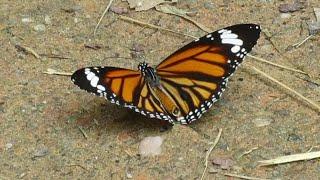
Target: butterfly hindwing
123, 87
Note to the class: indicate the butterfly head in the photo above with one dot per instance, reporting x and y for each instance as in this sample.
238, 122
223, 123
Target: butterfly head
149, 73
143, 66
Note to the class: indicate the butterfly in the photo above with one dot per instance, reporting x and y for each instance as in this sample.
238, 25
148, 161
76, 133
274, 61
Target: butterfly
184, 85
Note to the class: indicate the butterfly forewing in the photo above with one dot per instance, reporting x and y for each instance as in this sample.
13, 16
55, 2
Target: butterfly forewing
200, 70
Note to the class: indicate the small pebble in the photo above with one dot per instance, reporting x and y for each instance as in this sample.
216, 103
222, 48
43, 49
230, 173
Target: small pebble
22, 175
285, 15
314, 27
213, 170
41, 152
39, 27
129, 175
26, 20
295, 6
260, 122
224, 163
9, 145
294, 137
137, 47
191, 1
150, 146
192, 13
208, 5
72, 9
47, 19
119, 10
76, 20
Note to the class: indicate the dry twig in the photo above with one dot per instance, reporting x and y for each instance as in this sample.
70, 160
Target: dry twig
248, 152
242, 177
316, 106
276, 65
296, 45
290, 158
28, 50
83, 132
103, 14
154, 26
209, 151
55, 72
55, 56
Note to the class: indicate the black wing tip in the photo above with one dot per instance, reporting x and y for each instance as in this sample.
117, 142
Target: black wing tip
79, 74
250, 30
79, 78
246, 25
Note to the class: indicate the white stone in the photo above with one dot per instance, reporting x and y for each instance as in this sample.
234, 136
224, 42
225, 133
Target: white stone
9, 145
39, 27
47, 19
285, 15
150, 146
26, 20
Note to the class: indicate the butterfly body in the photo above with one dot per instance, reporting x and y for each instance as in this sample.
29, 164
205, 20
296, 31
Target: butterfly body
183, 86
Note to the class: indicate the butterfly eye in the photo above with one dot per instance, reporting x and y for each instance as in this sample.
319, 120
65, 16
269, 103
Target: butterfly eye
176, 112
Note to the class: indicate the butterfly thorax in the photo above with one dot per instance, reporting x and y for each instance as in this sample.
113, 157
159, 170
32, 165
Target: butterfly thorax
149, 73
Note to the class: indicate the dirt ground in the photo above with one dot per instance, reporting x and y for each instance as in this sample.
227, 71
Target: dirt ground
41, 115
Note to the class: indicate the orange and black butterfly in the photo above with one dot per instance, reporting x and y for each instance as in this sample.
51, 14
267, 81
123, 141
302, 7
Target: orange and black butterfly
183, 86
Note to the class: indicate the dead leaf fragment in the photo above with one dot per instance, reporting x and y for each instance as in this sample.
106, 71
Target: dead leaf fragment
171, 10
142, 5
295, 6
182, 13
118, 10
224, 163
260, 122
314, 27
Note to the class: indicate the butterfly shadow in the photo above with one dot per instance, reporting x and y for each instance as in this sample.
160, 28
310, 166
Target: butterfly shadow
114, 119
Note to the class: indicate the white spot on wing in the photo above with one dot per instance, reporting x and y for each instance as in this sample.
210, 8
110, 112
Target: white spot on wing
100, 87
86, 70
90, 76
228, 36
238, 42
94, 81
235, 49
221, 31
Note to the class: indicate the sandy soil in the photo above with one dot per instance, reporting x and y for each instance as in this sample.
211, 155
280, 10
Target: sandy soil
40, 115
